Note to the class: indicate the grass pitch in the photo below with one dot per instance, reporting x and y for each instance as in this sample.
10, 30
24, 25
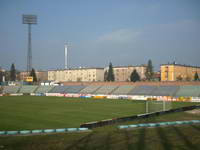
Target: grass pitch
31, 112
18, 113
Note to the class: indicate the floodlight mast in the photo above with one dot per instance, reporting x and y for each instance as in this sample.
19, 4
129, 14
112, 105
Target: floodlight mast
29, 19
66, 64
66, 55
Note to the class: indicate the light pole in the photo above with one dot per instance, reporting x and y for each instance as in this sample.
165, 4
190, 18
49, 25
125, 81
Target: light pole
67, 44
29, 19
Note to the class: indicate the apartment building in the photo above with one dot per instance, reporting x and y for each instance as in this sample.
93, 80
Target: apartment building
77, 74
175, 72
123, 73
41, 75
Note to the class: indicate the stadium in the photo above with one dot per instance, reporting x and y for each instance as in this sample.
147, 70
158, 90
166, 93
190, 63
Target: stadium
99, 75
100, 115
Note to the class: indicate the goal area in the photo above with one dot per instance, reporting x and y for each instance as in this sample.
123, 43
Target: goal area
155, 106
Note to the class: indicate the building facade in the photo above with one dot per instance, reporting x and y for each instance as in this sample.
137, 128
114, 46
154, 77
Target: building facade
41, 75
176, 72
77, 74
123, 73
2, 75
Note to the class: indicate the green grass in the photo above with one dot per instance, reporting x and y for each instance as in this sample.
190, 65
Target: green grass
29, 112
18, 113
186, 137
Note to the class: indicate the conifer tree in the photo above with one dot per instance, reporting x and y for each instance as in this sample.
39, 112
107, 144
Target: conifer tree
12, 73
105, 75
149, 71
135, 76
196, 77
110, 76
33, 74
1, 76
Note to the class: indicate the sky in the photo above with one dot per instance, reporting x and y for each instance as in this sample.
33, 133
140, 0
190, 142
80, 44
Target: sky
124, 32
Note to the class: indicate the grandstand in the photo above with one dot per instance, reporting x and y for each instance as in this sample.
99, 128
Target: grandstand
90, 89
123, 90
142, 90
188, 90
59, 89
28, 89
74, 89
165, 91
11, 89
43, 89
106, 89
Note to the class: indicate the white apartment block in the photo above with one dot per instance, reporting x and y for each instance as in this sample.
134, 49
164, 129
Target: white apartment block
77, 74
123, 73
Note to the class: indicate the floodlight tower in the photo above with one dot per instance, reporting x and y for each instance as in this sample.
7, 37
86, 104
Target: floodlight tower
66, 54
29, 19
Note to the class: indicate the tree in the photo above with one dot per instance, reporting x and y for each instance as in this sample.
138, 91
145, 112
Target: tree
12, 73
110, 76
135, 76
188, 78
179, 78
33, 74
7, 75
1, 75
105, 75
196, 77
149, 71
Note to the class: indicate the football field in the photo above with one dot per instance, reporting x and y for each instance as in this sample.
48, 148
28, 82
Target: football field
34, 112
31, 112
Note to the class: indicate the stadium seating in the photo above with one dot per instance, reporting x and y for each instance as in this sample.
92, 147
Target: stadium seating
123, 90
11, 89
43, 89
165, 91
74, 89
59, 89
176, 91
142, 90
28, 89
90, 89
188, 90
106, 89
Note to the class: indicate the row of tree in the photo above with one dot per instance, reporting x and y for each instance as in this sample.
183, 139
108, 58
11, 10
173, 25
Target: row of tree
149, 74
109, 75
13, 73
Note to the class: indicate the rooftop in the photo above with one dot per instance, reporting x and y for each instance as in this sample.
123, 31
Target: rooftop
182, 65
130, 66
80, 68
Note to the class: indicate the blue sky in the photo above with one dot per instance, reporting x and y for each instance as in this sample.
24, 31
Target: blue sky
127, 32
